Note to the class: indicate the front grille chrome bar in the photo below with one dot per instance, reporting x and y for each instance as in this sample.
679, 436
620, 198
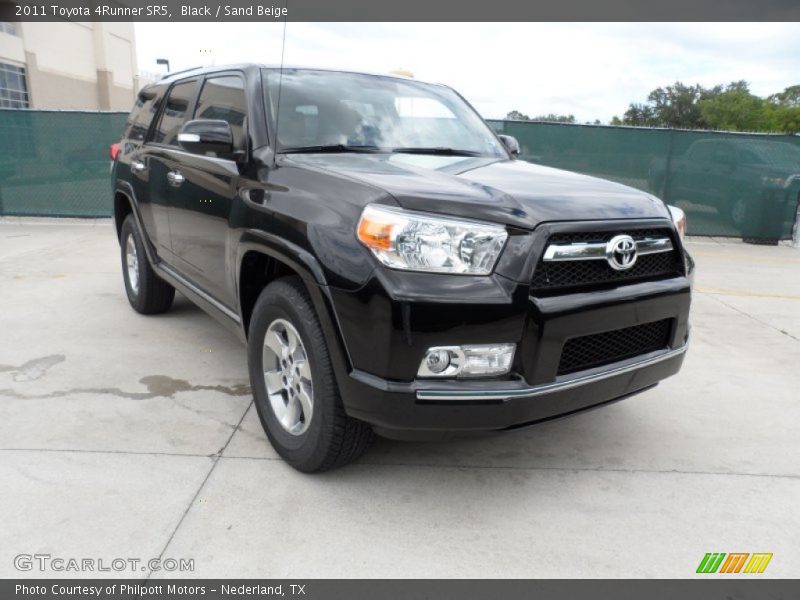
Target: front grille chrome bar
599, 250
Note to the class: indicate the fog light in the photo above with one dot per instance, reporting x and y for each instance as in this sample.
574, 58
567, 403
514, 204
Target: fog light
437, 360
467, 361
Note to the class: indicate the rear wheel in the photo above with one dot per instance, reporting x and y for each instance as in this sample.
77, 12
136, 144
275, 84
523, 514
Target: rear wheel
148, 294
294, 387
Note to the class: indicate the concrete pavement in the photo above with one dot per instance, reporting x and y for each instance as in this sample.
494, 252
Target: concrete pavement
131, 436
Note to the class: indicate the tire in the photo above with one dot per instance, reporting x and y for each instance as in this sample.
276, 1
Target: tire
147, 292
329, 438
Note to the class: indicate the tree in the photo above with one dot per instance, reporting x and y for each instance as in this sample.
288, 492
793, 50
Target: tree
553, 118
735, 109
783, 110
786, 120
639, 115
515, 115
788, 98
675, 105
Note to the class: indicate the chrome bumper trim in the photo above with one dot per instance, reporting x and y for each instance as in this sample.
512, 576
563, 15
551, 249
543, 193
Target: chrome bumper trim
547, 388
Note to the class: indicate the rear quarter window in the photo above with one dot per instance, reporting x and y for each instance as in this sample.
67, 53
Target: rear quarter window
176, 112
142, 114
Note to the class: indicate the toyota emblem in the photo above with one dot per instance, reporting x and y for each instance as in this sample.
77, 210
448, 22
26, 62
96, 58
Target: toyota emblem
621, 252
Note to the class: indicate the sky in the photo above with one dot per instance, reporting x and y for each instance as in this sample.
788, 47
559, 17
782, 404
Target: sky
590, 70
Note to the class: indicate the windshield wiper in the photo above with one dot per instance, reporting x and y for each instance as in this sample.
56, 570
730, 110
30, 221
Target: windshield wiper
439, 151
328, 148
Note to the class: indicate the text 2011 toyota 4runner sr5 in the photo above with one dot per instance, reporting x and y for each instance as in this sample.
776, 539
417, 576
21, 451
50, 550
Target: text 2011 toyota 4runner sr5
390, 264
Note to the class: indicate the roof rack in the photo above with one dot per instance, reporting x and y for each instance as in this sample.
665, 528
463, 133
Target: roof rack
171, 73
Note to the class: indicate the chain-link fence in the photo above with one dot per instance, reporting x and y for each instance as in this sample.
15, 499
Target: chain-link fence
55, 163
744, 185
729, 184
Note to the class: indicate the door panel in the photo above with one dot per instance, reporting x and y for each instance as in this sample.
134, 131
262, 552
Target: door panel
158, 158
156, 215
200, 208
201, 204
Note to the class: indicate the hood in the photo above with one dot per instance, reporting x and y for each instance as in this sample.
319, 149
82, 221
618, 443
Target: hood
512, 192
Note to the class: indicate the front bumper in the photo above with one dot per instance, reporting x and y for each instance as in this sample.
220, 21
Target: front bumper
422, 410
404, 407
387, 326
519, 390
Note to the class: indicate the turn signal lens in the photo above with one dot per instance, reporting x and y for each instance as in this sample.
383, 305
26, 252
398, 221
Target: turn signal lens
375, 234
679, 218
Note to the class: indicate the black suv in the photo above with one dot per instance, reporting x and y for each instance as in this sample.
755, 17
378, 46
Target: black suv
391, 265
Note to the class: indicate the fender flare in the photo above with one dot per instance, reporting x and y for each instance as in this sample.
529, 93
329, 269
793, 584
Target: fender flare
126, 189
311, 272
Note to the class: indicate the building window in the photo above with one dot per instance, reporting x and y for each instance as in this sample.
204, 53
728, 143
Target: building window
13, 87
9, 28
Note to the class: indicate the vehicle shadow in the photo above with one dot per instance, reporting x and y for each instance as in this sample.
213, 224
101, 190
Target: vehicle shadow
611, 438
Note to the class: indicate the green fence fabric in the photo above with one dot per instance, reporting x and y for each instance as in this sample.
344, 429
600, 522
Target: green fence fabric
56, 164
729, 184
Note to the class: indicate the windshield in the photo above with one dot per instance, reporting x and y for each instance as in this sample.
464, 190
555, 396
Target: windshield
348, 110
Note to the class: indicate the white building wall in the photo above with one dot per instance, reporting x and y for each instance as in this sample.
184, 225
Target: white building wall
74, 65
12, 49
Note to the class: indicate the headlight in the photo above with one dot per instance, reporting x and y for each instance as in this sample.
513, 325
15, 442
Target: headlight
679, 218
420, 242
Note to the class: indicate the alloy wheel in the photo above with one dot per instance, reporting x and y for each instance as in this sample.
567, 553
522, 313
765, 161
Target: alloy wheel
132, 261
287, 376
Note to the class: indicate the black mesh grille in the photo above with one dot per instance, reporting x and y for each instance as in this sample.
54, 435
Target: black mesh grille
600, 349
580, 273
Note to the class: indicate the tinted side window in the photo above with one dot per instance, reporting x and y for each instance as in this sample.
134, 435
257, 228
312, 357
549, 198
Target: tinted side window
142, 115
176, 112
223, 98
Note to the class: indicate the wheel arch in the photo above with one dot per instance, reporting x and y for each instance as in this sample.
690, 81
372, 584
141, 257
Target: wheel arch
123, 206
263, 258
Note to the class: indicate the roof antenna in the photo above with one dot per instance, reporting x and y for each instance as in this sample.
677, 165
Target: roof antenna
280, 77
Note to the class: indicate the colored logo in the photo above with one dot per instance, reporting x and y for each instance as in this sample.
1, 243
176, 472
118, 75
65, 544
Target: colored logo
735, 562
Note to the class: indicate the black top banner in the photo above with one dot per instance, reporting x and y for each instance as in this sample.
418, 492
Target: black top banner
402, 11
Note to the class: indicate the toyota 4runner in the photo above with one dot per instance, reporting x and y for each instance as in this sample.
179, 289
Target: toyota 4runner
391, 265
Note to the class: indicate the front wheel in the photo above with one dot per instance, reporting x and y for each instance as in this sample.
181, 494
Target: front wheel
294, 387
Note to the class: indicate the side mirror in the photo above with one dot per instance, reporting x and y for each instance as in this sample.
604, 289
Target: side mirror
511, 144
207, 135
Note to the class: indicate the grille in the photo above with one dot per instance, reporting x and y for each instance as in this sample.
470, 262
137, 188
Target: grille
608, 347
579, 273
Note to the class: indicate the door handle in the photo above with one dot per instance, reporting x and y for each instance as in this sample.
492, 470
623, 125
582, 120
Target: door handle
255, 196
175, 178
137, 166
